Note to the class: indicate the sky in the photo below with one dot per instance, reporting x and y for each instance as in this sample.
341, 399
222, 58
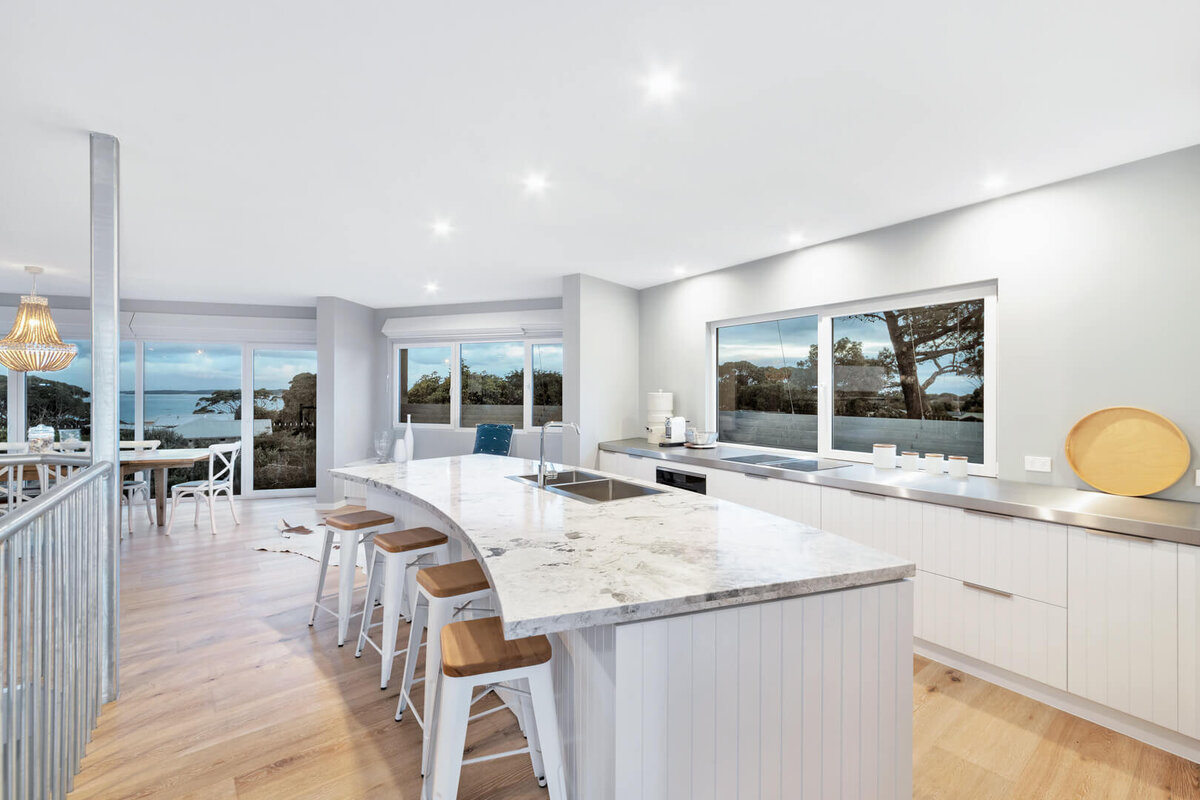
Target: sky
760, 343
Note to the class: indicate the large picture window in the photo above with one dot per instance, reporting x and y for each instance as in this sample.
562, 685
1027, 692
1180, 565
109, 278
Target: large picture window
465, 384
63, 399
837, 380
912, 377
493, 383
767, 383
547, 381
424, 383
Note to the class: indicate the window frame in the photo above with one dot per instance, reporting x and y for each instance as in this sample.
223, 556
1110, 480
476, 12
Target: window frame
825, 314
455, 345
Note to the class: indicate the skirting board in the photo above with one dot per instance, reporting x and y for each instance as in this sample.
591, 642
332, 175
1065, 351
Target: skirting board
1154, 735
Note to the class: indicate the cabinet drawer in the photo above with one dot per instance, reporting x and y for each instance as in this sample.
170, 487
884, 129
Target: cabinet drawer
1021, 556
885, 523
1012, 632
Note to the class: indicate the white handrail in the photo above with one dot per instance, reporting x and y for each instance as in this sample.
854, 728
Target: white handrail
53, 644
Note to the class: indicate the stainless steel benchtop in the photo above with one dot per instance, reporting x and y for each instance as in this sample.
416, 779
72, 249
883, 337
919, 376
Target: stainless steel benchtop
1168, 520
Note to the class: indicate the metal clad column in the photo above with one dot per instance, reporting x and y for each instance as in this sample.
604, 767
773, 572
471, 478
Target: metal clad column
106, 348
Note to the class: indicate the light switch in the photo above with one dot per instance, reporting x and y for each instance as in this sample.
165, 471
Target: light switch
1039, 464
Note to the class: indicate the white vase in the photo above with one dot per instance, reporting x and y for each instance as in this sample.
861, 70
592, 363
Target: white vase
409, 443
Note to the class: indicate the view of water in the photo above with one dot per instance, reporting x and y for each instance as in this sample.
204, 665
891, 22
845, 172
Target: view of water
167, 405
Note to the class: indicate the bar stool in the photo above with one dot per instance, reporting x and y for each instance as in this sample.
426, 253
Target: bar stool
443, 592
475, 653
353, 528
396, 553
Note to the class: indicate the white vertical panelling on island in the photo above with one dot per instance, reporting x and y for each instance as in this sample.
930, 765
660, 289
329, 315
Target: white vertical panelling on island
585, 693
1189, 640
1123, 611
808, 697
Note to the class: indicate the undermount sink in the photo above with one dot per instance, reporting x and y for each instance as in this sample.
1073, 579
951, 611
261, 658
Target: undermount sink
604, 490
588, 487
568, 476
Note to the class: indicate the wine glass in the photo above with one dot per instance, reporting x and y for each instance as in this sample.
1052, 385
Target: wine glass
383, 440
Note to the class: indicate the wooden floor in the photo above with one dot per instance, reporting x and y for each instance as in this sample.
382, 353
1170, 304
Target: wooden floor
227, 693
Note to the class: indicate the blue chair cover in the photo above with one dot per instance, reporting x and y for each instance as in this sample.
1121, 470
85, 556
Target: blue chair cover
493, 439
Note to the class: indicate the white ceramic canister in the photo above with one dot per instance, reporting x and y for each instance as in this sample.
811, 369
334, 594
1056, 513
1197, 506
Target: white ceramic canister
934, 463
910, 460
885, 456
957, 466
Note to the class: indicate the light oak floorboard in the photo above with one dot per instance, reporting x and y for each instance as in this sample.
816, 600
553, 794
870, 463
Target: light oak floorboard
227, 694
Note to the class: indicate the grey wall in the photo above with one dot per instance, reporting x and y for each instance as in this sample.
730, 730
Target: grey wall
348, 371
1097, 278
600, 380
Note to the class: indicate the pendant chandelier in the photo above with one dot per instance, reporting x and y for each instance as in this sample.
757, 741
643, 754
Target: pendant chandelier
33, 344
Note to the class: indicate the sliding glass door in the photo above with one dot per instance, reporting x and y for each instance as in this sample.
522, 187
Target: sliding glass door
284, 430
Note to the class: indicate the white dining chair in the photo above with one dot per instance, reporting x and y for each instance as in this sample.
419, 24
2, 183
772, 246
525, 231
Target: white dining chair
221, 460
138, 482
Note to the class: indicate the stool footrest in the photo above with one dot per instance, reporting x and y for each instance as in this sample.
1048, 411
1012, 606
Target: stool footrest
494, 756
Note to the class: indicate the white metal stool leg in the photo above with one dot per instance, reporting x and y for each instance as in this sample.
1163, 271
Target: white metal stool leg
545, 715
326, 549
453, 709
375, 576
531, 733
347, 564
420, 617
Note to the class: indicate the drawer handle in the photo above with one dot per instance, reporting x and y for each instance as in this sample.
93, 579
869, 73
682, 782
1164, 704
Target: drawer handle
871, 495
994, 514
1115, 535
756, 477
631, 455
987, 589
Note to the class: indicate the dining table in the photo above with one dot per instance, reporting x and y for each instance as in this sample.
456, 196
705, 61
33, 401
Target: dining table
157, 462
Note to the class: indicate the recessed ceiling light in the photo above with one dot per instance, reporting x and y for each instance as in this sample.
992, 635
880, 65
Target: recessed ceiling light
431, 287
441, 227
680, 269
535, 183
795, 238
995, 182
661, 85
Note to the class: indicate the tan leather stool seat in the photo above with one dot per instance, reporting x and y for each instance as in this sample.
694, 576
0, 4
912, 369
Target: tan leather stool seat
357, 520
411, 539
478, 646
448, 580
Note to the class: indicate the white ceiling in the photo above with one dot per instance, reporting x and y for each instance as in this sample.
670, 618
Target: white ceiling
278, 150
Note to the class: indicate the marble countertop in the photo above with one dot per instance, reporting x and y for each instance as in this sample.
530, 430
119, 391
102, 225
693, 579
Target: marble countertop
557, 563
1151, 518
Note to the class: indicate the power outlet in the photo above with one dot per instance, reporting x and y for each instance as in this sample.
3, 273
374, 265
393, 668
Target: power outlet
1042, 464
1198, 477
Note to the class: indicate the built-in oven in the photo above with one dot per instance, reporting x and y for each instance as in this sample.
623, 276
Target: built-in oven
678, 479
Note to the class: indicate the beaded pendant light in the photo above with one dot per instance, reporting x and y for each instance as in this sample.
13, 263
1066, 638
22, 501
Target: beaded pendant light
33, 344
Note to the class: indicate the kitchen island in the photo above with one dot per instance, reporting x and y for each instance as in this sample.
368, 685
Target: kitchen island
702, 648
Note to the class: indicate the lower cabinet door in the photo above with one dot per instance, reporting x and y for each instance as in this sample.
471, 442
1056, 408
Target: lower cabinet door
1123, 601
1012, 632
1189, 640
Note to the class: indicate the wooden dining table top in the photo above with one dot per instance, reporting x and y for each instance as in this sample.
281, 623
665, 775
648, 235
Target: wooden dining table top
171, 457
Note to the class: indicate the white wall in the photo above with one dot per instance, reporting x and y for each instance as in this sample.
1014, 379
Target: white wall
348, 370
1098, 281
600, 362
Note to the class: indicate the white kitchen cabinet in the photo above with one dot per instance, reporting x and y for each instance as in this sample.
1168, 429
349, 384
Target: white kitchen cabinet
885, 523
637, 467
1123, 624
1015, 633
1189, 640
1011, 554
796, 501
